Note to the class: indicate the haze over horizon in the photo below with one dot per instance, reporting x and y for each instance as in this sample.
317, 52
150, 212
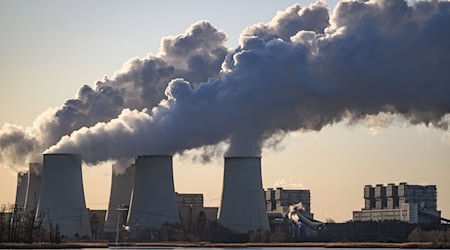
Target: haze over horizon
331, 139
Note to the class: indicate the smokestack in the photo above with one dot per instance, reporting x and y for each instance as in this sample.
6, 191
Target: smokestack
21, 191
62, 200
243, 207
121, 188
153, 200
33, 186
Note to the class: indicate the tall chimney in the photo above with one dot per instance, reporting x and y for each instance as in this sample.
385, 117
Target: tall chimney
62, 201
243, 207
21, 191
153, 199
34, 186
121, 188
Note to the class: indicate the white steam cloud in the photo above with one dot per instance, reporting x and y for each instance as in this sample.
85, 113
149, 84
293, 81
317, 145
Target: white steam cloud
195, 55
300, 72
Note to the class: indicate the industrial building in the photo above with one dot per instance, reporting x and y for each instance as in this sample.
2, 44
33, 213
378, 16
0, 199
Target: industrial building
279, 200
62, 200
193, 213
409, 203
119, 201
97, 223
243, 207
33, 186
153, 201
21, 190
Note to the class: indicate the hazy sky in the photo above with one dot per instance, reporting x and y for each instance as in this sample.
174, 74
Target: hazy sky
48, 49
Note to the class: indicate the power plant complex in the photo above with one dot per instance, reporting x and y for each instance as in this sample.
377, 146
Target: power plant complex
143, 204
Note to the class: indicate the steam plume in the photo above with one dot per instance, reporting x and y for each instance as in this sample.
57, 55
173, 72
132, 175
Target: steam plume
195, 55
300, 72
376, 56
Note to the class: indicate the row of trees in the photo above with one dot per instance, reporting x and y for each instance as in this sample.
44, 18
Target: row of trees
22, 226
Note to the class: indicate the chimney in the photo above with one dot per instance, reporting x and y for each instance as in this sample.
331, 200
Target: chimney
34, 186
62, 199
153, 199
243, 207
21, 191
120, 195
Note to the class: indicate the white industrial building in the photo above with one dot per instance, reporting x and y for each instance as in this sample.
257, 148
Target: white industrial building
153, 201
33, 186
119, 200
62, 200
21, 190
243, 207
403, 202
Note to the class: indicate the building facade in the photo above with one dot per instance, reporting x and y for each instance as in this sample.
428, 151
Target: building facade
193, 213
403, 202
278, 200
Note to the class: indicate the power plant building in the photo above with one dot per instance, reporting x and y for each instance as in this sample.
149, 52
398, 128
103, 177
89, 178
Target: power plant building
62, 202
279, 200
119, 200
33, 186
243, 207
403, 202
153, 200
21, 191
192, 211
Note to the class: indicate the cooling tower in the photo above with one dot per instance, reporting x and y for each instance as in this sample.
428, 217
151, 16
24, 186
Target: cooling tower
21, 191
243, 207
121, 188
62, 200
153, 200
34, 186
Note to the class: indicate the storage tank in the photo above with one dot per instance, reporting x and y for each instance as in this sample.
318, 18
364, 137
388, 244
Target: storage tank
21, 189
33, 186
243, 207
120, 196
153, 199
62, 199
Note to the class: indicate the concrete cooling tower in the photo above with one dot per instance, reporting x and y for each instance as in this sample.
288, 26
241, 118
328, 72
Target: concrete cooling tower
21, 191
153, 200
243, 207
62, 200
120, 196
34, 186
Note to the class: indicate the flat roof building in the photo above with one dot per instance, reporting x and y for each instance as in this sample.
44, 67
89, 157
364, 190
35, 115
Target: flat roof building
278, 200
403, 202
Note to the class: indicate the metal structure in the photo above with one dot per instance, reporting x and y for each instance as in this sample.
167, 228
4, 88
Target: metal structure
62, 201
243, 207
153, 201
33, 186
120, 196
21, 191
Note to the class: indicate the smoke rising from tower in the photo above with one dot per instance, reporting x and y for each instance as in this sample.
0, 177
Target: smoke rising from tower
195, 55
300, 72
374, 57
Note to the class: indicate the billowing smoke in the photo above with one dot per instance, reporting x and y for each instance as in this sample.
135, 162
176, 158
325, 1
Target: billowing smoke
374, 57
300, 72
195, 55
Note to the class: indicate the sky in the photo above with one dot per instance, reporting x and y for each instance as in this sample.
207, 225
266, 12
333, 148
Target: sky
50, 48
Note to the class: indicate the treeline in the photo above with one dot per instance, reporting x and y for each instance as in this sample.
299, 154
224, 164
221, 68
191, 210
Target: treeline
385, 231
20, 226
